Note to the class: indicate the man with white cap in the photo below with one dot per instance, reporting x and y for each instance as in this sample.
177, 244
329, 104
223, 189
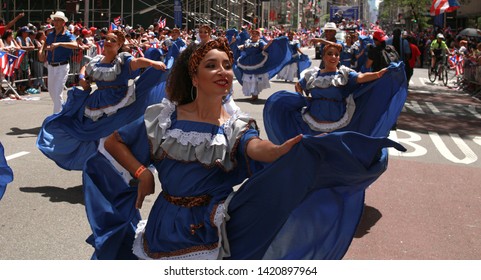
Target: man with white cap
329, 30
58, 45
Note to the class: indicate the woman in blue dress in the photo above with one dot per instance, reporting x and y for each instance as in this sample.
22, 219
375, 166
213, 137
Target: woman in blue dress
298, 63
259, 61
72, 135
338, 99
6, 174
200, 151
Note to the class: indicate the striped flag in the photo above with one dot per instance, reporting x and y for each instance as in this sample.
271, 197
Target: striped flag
154, 45
137, 52
443, 6
3, 60
10, 68
162, 22
20, 55
100, 46
113, 26
118, 21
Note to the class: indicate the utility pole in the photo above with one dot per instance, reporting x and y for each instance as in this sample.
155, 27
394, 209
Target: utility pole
86, 12
241, 13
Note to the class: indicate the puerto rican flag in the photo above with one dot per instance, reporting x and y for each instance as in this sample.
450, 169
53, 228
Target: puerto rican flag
3, 60
155, 45
137, 52
118, 21
100, 46
113, 26
456, 61
443, 6
20, 55
162, 22
10, 69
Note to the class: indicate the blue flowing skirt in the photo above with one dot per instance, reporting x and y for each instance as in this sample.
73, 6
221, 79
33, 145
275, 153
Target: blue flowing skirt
378, 105
69, 139
6, 173
305, 205
279, 55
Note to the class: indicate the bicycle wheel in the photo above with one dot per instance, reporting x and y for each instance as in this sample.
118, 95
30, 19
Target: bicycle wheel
440, 72
431, 75
445, 75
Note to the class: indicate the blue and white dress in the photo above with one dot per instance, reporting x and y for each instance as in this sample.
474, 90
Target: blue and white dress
337, 103
72, 135
283, 210
255, 66
297, 64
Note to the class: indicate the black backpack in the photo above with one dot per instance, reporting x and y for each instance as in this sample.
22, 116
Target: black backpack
388, 55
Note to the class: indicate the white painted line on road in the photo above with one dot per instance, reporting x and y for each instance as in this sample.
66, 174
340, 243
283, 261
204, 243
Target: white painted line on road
477, 140
423, 81
21, 154
433, 108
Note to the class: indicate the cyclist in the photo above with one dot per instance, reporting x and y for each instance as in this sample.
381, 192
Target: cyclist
437, 48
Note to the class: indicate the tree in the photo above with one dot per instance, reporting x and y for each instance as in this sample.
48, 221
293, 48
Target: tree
415, 10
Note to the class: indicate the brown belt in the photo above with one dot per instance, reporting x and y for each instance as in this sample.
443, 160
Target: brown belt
187, 201
113, 87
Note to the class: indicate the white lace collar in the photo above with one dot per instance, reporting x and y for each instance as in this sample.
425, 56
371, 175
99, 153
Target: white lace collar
207, 148
108, 74
339, 78
250, 44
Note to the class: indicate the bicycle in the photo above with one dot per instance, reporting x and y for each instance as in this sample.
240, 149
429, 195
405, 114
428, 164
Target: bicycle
440, 70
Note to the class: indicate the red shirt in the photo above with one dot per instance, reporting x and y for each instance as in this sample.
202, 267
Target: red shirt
415, 53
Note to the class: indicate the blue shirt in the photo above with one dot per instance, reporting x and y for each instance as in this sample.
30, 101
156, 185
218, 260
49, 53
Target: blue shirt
59, 54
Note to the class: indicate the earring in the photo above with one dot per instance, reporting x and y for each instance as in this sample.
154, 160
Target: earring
192, 93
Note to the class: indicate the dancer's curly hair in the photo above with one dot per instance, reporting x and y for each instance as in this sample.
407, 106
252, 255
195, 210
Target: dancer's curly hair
332, 45
179, 83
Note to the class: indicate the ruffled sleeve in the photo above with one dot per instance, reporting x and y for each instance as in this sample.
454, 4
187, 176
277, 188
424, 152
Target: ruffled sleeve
127, 58
135, 137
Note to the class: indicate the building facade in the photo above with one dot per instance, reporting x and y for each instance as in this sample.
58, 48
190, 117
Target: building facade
291, 14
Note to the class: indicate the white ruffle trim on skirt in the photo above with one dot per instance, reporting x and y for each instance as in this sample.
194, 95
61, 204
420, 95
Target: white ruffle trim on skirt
328, 127
253, 84
289, 72
110, 110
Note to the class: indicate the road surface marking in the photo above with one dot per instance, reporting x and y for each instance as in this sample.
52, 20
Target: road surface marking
21, 154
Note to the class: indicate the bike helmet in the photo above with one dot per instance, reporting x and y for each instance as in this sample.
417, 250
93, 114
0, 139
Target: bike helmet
440, 36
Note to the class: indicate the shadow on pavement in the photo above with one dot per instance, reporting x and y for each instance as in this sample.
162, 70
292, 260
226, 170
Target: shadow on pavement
369, 218
73, 195
248, 100
19, 131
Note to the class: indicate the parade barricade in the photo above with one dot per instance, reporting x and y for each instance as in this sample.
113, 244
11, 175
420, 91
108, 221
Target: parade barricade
472, 78
31, 73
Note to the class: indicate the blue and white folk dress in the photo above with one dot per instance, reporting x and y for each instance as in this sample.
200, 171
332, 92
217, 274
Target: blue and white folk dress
283, 210
336, 102
72, 135
255, 66
297, 63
